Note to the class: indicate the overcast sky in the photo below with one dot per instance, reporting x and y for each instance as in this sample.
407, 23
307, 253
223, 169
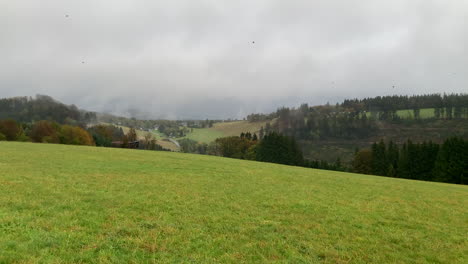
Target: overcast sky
221, 59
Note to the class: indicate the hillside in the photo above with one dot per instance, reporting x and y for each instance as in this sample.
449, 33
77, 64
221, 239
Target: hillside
85, 204
237, 127
430, 130
344, 148
162, 139
43, 107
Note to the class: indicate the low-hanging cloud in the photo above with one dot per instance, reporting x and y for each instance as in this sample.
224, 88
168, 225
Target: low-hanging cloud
222, 59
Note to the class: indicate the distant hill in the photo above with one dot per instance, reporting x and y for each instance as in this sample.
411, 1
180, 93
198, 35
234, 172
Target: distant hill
328, 132
43, 107
325, 132
86, 204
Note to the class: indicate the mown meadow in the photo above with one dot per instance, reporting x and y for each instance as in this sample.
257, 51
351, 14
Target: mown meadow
72, 204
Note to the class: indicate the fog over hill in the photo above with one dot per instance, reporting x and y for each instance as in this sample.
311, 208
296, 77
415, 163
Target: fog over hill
220, 59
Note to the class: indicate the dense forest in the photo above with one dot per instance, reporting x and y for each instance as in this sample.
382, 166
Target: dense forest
444, 106
43, 107
427, 161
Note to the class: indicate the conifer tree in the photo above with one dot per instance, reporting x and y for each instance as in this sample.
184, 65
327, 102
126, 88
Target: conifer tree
452, 162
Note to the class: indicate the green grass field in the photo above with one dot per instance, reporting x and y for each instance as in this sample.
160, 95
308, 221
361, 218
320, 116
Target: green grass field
409, 113
74, 204
423, 113
205, 135
224, 129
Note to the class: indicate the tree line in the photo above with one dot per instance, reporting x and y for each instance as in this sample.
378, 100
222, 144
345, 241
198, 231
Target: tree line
270, 147
428, 161
318, 123
45, 131
448, 102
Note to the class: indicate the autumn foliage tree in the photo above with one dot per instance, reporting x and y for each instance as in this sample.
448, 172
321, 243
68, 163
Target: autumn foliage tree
74, 135
45, 132
132, 135
10, 129
51, 132
103, 135
234, 147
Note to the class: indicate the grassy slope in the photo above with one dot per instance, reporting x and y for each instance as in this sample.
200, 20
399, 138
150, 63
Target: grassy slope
224, 129
70, 204
237, 127
409, 113
423, 113
205, 135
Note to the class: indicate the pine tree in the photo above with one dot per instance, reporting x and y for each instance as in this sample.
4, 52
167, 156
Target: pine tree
261, 133
403, 167
392, 159
277, 148
437, 113
451, 164
254, 138
379, 160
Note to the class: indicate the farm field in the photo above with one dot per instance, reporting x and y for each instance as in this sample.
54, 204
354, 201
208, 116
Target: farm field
75, 204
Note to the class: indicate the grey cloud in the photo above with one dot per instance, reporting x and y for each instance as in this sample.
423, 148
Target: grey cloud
196, 59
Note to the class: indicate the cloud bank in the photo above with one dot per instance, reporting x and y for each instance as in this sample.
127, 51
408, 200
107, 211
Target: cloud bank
225, 59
